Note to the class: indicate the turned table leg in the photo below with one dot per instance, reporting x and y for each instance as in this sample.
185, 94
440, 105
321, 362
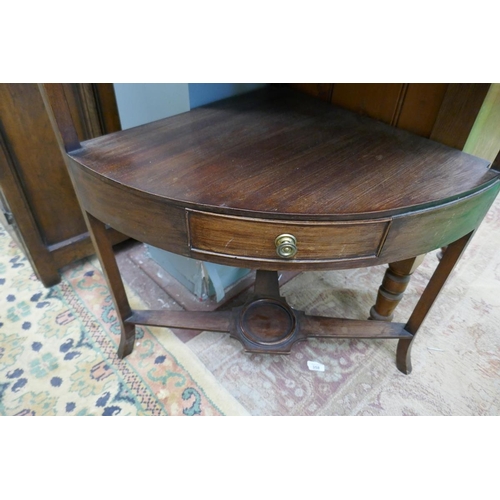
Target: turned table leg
111, 272
391, 292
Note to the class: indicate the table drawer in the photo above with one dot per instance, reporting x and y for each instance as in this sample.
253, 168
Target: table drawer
256, 238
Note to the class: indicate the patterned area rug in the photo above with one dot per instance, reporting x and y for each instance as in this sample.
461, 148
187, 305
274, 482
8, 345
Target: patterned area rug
456, 355
58, 352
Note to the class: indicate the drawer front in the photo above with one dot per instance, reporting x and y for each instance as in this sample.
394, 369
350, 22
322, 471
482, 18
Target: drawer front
256, 238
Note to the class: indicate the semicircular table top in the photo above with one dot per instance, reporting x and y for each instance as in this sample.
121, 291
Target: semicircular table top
278, 152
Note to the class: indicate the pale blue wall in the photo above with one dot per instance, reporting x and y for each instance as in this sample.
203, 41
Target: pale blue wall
140, 103
204, 93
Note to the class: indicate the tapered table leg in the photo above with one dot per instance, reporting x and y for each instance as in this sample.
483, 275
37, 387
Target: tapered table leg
111, 272
391, 292
429, 295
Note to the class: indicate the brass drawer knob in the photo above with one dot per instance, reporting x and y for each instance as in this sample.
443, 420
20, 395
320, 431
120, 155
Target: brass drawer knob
286, 245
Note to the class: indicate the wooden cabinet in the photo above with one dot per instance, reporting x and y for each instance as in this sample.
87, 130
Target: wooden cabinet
444, 112
37, 200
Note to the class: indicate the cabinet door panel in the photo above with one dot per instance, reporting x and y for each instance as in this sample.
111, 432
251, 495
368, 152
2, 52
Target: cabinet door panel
377, 100
46, 218
420, 107
38, 162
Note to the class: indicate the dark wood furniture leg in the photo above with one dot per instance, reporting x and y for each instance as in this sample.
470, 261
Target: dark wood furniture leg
450, 258
267, 284
110, 269
393, 286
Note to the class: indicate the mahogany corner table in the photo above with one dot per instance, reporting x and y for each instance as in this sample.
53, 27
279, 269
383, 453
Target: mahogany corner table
276, 180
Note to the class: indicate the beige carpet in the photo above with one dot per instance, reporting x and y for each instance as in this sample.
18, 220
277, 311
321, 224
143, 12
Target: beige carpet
456, 356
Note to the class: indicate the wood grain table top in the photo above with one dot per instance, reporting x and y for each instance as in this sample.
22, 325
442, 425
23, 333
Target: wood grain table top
276, 152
